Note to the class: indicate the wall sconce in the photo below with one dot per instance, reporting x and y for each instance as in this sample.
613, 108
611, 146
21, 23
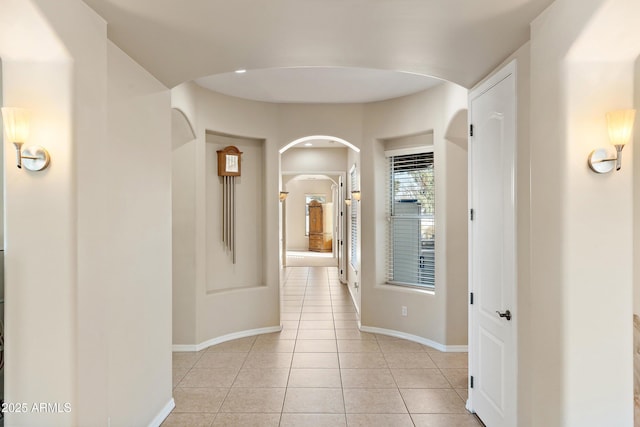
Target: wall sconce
355, 195
16, 126
283, 195
620, 124
347, 202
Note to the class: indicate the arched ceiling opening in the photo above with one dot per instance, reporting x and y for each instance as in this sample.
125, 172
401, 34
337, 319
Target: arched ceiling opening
455, 40
318, 85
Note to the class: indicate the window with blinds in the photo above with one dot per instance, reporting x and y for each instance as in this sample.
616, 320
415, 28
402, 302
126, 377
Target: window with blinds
354, 221
411, 211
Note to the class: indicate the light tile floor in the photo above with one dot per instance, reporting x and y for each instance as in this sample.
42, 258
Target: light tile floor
319, 371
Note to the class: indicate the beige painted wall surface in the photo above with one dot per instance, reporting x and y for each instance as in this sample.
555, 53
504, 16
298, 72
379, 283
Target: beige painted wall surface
581, 279
428, 112
41, 214
314, 160
183, 243
636, 193
139, 206
58, 69
339, 120
256, 305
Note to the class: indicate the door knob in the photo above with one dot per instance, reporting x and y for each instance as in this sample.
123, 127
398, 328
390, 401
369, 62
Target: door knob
506, 314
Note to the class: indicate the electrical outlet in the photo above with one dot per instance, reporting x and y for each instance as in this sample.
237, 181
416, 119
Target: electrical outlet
404, 310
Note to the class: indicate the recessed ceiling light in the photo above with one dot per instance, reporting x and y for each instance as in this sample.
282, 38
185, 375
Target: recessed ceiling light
308, 144
241, 71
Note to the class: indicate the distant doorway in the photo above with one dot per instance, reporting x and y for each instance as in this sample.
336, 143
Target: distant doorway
309, 220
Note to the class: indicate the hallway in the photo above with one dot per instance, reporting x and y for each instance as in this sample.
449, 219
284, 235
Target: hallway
319, 371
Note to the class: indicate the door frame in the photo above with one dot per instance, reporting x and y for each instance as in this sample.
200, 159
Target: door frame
510, 69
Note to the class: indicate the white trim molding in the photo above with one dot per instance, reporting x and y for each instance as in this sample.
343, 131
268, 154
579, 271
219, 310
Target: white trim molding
225, 338
415, 338
163, 414
312, 137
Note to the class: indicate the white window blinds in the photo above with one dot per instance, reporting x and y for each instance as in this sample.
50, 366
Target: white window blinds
354, 221
411, 209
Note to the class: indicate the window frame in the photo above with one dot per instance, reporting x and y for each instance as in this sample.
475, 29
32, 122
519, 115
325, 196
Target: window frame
392, 218
353, 218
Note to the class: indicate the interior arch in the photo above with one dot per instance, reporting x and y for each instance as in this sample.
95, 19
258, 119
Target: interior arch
319, 137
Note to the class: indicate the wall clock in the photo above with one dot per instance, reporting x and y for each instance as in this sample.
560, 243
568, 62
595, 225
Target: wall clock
229, 161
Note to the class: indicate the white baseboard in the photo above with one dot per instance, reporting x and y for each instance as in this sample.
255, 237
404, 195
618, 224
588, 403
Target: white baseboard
225, 338
415, 338
163, 414
353, 299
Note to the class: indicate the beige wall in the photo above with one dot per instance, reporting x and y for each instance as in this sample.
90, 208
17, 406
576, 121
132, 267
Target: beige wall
183, 180
40, 213
340, 120
310, 160
97, 259
440, 318
581, 281
636, 194
233, 307
183, 198
139, 209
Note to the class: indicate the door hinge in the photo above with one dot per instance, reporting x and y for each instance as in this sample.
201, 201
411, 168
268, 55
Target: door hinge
471, 381
470, 130
340, 213
341, 243
471, 214
470, 297
340, 271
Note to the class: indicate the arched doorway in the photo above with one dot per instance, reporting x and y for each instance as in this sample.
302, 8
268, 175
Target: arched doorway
315, 168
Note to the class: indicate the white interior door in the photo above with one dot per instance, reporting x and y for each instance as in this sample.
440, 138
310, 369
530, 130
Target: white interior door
493, 313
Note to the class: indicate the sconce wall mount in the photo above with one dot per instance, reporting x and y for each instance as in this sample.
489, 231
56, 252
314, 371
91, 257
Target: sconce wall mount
16, 126
620, 124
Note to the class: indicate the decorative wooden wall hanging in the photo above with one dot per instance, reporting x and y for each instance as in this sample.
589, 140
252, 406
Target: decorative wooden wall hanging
229, 166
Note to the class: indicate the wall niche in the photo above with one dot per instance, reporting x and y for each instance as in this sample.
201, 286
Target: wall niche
248, 270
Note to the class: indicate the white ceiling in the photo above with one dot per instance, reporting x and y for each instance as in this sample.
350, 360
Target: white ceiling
318, 84
456, 40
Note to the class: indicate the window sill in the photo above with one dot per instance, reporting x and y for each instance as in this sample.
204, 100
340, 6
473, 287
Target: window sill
408, 288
